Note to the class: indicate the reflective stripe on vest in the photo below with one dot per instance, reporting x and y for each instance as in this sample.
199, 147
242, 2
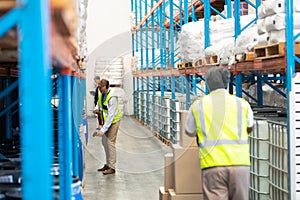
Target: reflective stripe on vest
104, 109
227, 143
221, 142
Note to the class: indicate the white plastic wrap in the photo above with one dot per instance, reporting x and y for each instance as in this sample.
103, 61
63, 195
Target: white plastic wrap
261, 26
262, 11
194, 29
82, 43
274, 6
246, 19
212, 50
263, 39
226, 54
216, 37
246, 40
221, 29
275, 22
279, 36
191, 41
224, 25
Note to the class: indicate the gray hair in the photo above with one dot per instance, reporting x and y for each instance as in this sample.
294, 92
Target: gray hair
97, 78
217, 77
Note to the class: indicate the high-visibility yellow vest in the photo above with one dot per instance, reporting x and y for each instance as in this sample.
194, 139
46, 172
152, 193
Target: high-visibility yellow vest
221, 121
104, 109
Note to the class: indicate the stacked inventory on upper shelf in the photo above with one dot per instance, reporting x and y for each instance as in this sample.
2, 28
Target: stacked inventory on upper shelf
175, 42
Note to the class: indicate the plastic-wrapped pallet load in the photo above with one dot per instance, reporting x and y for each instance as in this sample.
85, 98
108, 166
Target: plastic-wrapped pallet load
276, 24
221, 32
191, 41
246, 40
272, 19
222, 41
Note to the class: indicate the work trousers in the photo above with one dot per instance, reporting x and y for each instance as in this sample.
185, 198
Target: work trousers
226, 183
109, 144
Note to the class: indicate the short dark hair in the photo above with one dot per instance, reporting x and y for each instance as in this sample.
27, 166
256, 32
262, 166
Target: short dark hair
97, 78
104, 82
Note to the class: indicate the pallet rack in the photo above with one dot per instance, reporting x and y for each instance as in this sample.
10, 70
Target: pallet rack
156, 28
46, 54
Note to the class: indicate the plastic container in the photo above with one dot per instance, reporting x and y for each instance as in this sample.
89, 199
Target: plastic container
278, 159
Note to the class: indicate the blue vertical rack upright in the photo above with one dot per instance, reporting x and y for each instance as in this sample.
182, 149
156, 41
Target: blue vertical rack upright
156, 19
292, 105
35, 33
36, 157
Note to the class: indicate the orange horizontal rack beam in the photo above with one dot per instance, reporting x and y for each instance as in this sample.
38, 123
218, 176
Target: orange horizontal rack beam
262, 66
139, 25
55, 4
7, 4
62, 4
196, 4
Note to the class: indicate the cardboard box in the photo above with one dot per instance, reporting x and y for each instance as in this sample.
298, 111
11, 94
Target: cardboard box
169, 174
174, 196
187, 172
184, 139
163, 195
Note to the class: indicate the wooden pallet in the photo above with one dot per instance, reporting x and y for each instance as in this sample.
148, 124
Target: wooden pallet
245, 57
273, 50
269, 51
182, 65
162, 139
210, 60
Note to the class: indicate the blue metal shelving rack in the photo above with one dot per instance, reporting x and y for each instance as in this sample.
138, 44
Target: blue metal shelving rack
292, 105
35, 110
36, 130
154, 20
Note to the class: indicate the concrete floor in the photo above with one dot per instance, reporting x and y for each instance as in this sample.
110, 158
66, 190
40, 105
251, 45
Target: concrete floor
140, 164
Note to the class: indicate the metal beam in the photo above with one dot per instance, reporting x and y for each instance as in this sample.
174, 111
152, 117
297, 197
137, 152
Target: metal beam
35, 112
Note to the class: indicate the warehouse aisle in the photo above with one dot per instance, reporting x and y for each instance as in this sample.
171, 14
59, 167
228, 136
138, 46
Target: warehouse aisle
140, 164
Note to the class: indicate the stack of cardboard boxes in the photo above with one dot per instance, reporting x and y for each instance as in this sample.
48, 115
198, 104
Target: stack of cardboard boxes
182, 179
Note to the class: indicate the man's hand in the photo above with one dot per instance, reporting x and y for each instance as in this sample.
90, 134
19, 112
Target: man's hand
97, 111
98, 133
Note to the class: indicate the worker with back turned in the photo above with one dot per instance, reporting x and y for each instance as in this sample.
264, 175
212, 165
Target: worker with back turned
222, 122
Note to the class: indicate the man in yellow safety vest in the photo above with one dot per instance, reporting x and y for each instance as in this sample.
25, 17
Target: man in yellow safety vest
222, 122
111, 115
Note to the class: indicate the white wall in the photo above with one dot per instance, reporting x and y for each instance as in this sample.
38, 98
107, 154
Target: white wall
108, 35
